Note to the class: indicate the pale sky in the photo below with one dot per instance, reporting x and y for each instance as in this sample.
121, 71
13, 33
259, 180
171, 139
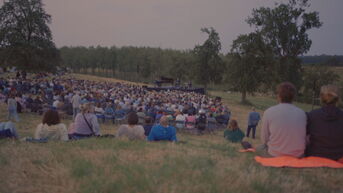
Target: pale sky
174, 23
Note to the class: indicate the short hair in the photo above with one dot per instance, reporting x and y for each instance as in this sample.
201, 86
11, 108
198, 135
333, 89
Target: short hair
51, 117
329, 94
132, 118
286, 91
148, 120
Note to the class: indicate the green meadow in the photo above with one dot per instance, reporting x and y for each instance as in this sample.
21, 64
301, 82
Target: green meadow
205, 163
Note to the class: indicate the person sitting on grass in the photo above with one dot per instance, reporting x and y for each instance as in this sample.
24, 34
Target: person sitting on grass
283, 130
132, 130
51, 127
86, 123
162, 131
148, 125
233, 133
8, 130
99, 112
325, 126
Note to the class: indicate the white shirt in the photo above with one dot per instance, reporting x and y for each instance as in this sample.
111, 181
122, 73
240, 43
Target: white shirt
76, 100
284, 130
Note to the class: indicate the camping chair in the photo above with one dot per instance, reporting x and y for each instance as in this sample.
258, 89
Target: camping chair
109, 116
211, 126
190, 127
180, 125
100, 116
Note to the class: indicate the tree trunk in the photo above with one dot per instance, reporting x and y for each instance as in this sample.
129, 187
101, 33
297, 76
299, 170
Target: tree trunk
244, 97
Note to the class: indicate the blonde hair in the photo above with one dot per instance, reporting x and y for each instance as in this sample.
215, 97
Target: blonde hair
329, 94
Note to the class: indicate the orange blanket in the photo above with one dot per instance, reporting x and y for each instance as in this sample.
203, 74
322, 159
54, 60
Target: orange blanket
307, 162
247, 150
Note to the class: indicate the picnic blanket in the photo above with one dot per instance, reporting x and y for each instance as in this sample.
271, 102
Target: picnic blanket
247, 150
293, 162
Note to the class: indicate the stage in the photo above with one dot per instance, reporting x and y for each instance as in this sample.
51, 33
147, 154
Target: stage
172, 88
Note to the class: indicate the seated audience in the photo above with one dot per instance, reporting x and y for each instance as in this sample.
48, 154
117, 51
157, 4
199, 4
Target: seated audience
109, 112
325, 126
86, 123
201, 121
8, 130
51, 127
132, 130
99, 112
141, 116
162, 131
283, 126
148, 125
190, 121
180, 120
233, 133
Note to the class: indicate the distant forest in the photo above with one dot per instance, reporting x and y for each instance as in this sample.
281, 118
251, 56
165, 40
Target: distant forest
329, 60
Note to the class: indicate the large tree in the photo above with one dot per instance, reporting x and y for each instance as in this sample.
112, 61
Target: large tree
25, 37
248, 64
285, 28
209, 67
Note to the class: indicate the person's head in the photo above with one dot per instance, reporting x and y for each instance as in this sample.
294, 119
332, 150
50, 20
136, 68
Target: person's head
51, 117
329, 95
253, 109
148, 120
286, 92
87, 108
233, 124
132, 118
164, 121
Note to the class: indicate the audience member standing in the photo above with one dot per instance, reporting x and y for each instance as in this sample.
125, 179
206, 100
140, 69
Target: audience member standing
12, 108
76, 101
254, 118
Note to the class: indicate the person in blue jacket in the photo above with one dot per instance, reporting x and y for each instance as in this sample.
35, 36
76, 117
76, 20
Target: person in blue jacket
163, 131
254, 118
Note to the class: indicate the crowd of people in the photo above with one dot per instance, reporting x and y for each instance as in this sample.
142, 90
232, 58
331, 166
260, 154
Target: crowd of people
157, 116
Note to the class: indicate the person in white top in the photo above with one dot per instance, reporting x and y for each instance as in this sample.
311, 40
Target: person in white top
180, 120
51, 128
283, 126
76, 101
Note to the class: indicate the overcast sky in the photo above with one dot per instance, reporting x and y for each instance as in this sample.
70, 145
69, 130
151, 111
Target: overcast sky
174, 23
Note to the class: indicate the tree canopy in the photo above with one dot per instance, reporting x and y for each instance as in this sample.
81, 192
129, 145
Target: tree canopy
210, 66
25, 37
248, 64
285, 28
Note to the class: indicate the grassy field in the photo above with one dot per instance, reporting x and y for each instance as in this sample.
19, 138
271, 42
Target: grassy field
202, 164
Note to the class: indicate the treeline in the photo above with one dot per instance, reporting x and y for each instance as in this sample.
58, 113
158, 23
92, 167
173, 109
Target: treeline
328, 60
129, 63
256, 62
